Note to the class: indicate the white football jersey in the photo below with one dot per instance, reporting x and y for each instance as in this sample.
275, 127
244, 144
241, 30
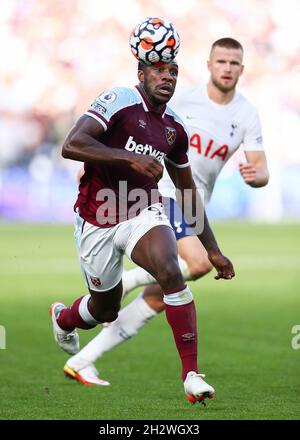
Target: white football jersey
216, 132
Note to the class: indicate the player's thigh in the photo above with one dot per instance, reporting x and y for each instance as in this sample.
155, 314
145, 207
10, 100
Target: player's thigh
155, 247
194, 253
150, 242
156, 252
149, 238
100, 259
190, 247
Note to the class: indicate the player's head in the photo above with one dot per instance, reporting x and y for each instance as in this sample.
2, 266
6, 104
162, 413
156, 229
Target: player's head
225, 63
158, 81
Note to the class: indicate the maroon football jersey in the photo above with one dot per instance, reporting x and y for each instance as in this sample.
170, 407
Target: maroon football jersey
109, 194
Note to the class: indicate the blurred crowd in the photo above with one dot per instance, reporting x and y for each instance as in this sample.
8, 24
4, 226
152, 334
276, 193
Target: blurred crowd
57, 56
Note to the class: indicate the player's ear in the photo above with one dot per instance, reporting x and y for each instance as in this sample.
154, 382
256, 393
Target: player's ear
208, 63
141, 76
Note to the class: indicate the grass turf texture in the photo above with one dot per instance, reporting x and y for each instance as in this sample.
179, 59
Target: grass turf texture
244, 334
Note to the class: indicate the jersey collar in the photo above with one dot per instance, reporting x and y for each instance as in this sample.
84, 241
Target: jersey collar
148, 107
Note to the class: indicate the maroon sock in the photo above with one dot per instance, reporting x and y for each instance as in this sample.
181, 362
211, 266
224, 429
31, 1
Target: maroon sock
69, 318
183, 322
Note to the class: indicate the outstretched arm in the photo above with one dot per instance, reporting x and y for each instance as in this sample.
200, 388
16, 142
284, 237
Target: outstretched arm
193, 208
255, 172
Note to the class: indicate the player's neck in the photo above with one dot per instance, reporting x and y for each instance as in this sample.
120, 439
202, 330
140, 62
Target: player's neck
154, 105
217, 96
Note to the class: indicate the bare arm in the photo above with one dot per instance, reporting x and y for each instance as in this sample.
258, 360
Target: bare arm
193, 208
255, 172
82, 144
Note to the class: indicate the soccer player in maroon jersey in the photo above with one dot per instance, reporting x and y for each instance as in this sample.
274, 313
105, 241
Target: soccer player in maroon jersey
122, 139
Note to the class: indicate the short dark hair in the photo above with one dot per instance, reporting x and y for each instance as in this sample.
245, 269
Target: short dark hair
228, 43
141, 65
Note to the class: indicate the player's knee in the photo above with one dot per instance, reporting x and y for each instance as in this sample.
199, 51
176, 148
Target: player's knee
159, 305
169, 274
156, 303
199, 268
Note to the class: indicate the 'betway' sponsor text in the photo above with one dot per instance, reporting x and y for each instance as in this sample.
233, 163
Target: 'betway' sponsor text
131, 145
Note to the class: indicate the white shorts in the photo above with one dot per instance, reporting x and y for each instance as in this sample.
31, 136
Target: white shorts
101, 250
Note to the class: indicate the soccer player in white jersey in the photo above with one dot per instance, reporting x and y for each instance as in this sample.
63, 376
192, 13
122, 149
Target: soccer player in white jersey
219, 120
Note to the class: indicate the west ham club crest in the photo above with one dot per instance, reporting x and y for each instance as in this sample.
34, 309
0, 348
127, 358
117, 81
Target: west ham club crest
170, 135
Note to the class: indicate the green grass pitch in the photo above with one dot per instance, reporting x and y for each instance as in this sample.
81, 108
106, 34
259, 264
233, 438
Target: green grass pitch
245, 334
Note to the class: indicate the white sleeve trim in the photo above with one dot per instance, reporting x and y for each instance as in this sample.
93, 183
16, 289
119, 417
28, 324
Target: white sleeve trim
97, 119
254, 147
177, 165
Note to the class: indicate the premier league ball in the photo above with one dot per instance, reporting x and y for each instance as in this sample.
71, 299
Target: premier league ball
154, 40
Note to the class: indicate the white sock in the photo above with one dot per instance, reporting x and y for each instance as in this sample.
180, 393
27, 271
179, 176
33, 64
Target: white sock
130, 320
139, 277
135, 278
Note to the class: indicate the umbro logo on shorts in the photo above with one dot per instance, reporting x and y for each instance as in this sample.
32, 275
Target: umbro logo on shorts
157, 211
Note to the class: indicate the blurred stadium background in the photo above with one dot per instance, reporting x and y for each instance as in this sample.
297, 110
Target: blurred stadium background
58, 55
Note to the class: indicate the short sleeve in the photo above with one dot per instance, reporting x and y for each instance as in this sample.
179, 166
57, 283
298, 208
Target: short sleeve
253, 139
108, 104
